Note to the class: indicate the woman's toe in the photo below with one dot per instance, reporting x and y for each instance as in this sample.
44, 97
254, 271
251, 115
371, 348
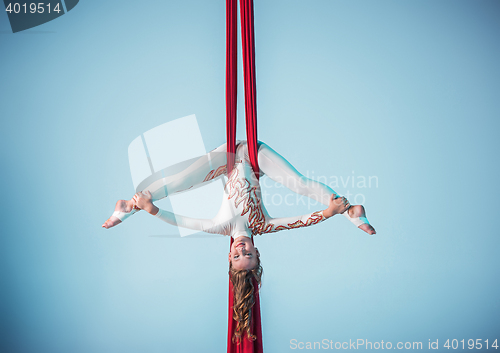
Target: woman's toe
367, 228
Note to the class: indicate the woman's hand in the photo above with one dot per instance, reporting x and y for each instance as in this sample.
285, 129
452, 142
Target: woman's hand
143, 200
337, 205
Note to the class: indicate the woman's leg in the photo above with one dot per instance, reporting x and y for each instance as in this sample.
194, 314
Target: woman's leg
201, 170
280, 170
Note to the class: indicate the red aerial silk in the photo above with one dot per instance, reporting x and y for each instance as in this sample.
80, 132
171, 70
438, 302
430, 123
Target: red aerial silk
231, 80
247, 30
245, 345
248, 43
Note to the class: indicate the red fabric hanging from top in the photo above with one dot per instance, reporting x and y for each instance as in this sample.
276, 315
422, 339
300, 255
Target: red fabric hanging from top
248, 43
248, 48
231, 80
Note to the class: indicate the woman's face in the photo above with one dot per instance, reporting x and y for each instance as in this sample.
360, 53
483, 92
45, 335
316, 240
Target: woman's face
243, 255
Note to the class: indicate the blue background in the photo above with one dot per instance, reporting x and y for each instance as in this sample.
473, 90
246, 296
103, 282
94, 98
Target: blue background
406, 91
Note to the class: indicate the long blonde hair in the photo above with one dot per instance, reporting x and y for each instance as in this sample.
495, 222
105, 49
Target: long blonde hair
243, 294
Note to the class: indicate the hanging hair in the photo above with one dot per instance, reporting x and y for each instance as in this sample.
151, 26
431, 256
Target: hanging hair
243, 293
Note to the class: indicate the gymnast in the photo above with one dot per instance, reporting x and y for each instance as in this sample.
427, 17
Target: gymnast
242, 214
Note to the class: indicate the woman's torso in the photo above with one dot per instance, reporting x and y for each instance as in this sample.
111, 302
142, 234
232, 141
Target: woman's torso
242, 212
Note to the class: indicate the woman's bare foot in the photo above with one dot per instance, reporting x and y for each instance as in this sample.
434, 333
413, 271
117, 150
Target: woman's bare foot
359, 211
121, 206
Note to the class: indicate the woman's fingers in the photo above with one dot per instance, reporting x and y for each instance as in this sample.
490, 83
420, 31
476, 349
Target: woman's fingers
143, 193
340, 201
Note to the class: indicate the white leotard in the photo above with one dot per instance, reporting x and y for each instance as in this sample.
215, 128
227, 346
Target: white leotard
242, 212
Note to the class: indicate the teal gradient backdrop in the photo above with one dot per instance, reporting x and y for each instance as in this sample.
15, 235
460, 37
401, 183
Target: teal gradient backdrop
403, 91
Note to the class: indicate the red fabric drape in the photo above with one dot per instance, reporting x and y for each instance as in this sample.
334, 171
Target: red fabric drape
231, 79
245, 346
247, 30
248, 44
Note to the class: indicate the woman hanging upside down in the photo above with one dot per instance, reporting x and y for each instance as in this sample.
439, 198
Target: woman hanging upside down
242, 214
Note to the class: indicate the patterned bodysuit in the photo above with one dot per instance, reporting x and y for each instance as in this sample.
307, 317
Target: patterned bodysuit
242, 212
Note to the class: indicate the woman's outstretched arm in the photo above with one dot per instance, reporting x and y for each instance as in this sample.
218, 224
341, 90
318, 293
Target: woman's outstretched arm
336, 205
144, 201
